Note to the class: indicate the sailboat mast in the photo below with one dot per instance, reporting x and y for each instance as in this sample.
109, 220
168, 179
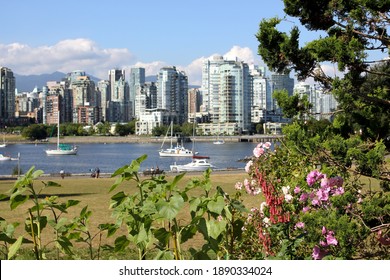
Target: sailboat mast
58, 130
171, 134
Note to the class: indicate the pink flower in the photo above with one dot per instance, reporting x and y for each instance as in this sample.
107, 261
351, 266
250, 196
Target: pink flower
331, 240
267, 145
238, 186
248, 166
305, 209
299, 225
303, 197
336, 181
318, 254
315, 202
313, 177
251, 187
324, 230
258, 151
323, 194
297, 190
339, 191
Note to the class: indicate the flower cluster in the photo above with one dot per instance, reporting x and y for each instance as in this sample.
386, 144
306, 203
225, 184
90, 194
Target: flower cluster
252, 187
329, 240
261, 149
319, 197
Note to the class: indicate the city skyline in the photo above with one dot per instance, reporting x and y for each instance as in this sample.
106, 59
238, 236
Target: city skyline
37, 38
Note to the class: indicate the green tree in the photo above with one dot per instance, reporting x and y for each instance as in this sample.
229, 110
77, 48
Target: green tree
35, 132
349, 32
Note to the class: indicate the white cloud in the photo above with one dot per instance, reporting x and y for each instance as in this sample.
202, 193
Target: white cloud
85, 54
65, 56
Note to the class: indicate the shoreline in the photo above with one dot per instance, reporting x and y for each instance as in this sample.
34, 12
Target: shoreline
108, 175
144, 139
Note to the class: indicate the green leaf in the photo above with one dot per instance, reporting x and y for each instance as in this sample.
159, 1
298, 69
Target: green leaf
118, 199
164, 255
36, 174
71, 203
14, 247
215, 228
3, 197
216, 206
65, 245
121, 243
169, 210
162, 235
194, 203
18, 200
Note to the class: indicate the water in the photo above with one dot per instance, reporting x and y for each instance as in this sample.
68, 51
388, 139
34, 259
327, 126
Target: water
110, 157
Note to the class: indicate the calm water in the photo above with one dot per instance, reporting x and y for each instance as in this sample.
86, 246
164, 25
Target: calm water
110, 157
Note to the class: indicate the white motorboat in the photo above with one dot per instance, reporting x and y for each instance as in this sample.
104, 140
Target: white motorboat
62, 149
178, 151
219, 142
198, 163
4, 158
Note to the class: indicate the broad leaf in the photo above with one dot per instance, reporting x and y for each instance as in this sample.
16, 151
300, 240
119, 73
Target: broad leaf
216, 206
169, 210
14, 247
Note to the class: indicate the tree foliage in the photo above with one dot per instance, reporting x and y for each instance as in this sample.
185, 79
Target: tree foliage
350, 32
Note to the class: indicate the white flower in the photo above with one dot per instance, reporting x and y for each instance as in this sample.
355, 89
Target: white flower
262, 206
285, 190
288, 197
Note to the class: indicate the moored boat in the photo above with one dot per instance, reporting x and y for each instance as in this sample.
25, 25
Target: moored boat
198, 163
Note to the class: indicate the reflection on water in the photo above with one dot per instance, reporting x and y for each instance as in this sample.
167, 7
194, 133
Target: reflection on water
110, 157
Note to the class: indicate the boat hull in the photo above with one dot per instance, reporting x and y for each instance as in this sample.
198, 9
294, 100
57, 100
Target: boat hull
61, 152
4, 158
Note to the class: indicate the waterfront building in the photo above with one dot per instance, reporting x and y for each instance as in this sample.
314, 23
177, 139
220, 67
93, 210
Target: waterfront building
322, 104
52, 106
103, 91
26, 103
84, 95
172, 93
145, 98
137, 79
194, 101
7, 94
278, 82
62, 89
151, 118
227, 92
119, 106
260, 94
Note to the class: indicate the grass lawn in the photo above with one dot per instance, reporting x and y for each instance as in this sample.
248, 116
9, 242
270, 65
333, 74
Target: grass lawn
94, 193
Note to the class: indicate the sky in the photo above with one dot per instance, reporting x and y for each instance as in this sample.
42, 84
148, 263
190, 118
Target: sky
44, 36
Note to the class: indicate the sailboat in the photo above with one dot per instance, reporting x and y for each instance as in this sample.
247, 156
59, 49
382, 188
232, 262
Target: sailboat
4, 144
62, 149
219, 141
178, 151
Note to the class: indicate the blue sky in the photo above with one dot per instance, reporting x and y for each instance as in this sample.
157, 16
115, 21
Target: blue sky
44, 36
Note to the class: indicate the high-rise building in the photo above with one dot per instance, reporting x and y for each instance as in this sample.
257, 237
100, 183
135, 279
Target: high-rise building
105, 97
119, 106
137, 79
193, 100
261, 92
7, 94
322, 104
145, 98
84, 95
172, 93
278, 82
226, 92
